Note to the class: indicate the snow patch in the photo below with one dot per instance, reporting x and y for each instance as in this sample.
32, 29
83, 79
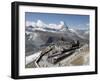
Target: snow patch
32, 57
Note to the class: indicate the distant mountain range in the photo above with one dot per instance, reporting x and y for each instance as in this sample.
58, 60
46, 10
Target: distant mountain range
39, 25
38, 34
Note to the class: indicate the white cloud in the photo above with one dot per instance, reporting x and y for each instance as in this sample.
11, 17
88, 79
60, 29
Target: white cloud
57, 26
29, 23
41, 24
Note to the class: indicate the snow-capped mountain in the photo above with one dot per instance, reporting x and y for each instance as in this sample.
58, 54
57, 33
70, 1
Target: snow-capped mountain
39, 34
56, 28
61, 27
40, 25
79, 33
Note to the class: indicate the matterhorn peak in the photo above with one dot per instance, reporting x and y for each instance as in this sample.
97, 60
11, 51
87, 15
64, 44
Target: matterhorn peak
63, 26
62, 23
39, 23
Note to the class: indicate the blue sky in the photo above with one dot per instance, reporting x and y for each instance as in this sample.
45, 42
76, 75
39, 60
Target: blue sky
73, 21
